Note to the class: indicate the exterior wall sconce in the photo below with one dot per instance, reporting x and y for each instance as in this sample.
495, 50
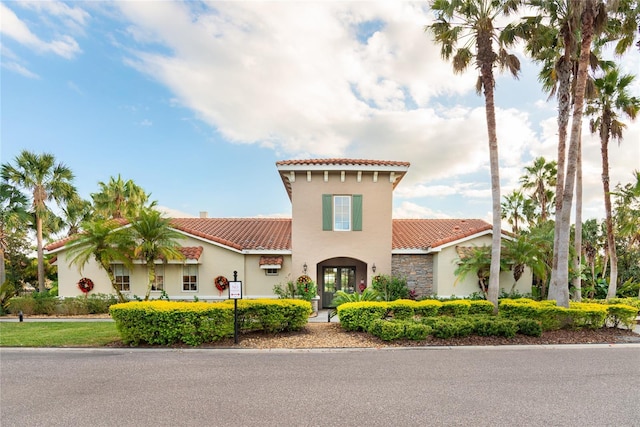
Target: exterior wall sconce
304, 268
373, 267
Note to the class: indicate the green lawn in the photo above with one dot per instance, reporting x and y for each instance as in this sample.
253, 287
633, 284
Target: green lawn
57, 334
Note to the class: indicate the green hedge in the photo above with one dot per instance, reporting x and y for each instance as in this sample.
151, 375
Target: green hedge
271, 315
195, 323
389, 330
358, 316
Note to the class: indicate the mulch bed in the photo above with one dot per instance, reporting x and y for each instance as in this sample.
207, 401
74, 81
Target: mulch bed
331, 335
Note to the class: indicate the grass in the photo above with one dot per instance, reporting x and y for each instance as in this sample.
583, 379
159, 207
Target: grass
57, 334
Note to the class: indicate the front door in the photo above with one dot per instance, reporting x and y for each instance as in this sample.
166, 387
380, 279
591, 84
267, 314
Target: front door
336, 279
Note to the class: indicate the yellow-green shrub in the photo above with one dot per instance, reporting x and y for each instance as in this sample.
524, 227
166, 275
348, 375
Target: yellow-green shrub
357, 316
402, 309
622, 314
455, 308
427, 307
272, 315
171, 322
481, 307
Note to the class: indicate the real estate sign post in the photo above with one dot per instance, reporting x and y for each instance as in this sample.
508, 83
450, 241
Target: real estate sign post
235, 293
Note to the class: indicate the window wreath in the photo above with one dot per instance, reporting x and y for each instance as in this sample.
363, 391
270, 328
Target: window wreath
221, 283
86, 285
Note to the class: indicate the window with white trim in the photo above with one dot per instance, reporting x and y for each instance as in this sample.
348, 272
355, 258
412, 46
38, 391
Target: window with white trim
122, 278
190, 278
271, 271
342, 212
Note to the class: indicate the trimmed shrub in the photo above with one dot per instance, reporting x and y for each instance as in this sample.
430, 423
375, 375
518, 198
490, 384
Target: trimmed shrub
165, 322
358, 316
529, 327
587, 315
402, 309
26, 305
272, 316
621, 314
386, 330
480, 307
446, 328
455, 308
416, 331
494, 327
427, 308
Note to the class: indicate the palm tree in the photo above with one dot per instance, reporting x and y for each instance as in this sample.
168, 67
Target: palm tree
467, 32
155, 240
516, 209
120, 199
76, 211
540, 177
523, 251
46, 181
106, 242
593, 14
612, 100
13, 214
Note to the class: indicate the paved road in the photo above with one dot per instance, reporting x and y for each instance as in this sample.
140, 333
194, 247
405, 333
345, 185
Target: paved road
481, 386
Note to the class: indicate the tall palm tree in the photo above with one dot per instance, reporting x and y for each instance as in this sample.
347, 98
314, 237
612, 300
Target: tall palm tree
516, 209
540, 178
13, 214
120, 199
612, 100
593, 15
47, 181
467, 33
106, 242
75, 212
154, 240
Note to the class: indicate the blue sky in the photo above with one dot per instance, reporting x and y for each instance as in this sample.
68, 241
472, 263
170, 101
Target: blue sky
196, 101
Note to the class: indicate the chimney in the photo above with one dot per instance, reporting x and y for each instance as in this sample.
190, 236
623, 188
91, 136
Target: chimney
204, 214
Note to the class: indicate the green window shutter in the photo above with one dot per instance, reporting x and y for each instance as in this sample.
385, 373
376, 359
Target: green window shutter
356, 212
327, 212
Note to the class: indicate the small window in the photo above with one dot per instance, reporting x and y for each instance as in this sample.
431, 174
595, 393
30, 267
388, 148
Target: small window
190, 278
342, 213
121, 275
271, 271
158, 283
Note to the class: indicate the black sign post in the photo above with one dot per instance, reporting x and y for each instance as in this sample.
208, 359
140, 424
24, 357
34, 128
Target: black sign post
235, 293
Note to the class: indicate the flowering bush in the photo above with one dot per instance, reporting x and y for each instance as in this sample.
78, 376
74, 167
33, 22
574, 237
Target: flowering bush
86, 285
306, 289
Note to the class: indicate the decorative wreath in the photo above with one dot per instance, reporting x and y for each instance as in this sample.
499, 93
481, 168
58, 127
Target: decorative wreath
86, 285
304, 280
221, 283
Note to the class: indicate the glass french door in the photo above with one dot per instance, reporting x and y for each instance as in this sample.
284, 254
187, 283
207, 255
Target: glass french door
337, 279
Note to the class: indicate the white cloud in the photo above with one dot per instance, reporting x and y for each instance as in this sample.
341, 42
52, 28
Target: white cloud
62, 45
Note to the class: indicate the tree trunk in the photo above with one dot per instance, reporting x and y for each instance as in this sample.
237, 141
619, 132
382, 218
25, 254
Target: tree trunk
564, 111
151, 277
613, 256
486, 57
3, 272
112, 278
577, 260
41, 287
559, 288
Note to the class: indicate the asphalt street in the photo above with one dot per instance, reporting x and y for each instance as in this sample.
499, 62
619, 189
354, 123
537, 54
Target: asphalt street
590, 385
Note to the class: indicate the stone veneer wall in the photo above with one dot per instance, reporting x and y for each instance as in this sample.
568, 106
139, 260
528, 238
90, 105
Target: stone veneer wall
417, 270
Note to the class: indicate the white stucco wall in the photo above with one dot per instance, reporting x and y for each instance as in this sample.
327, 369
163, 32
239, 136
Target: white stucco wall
448, 284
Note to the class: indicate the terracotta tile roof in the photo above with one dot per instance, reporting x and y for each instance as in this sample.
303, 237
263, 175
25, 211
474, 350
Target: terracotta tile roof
192, 252
431, 233
286, 166
240, 233
247, 234
271, 260
342, 162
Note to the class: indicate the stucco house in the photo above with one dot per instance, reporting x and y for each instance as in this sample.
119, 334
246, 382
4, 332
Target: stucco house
341, 234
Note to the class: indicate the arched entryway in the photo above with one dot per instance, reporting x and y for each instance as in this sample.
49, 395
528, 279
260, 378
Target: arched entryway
340, 273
